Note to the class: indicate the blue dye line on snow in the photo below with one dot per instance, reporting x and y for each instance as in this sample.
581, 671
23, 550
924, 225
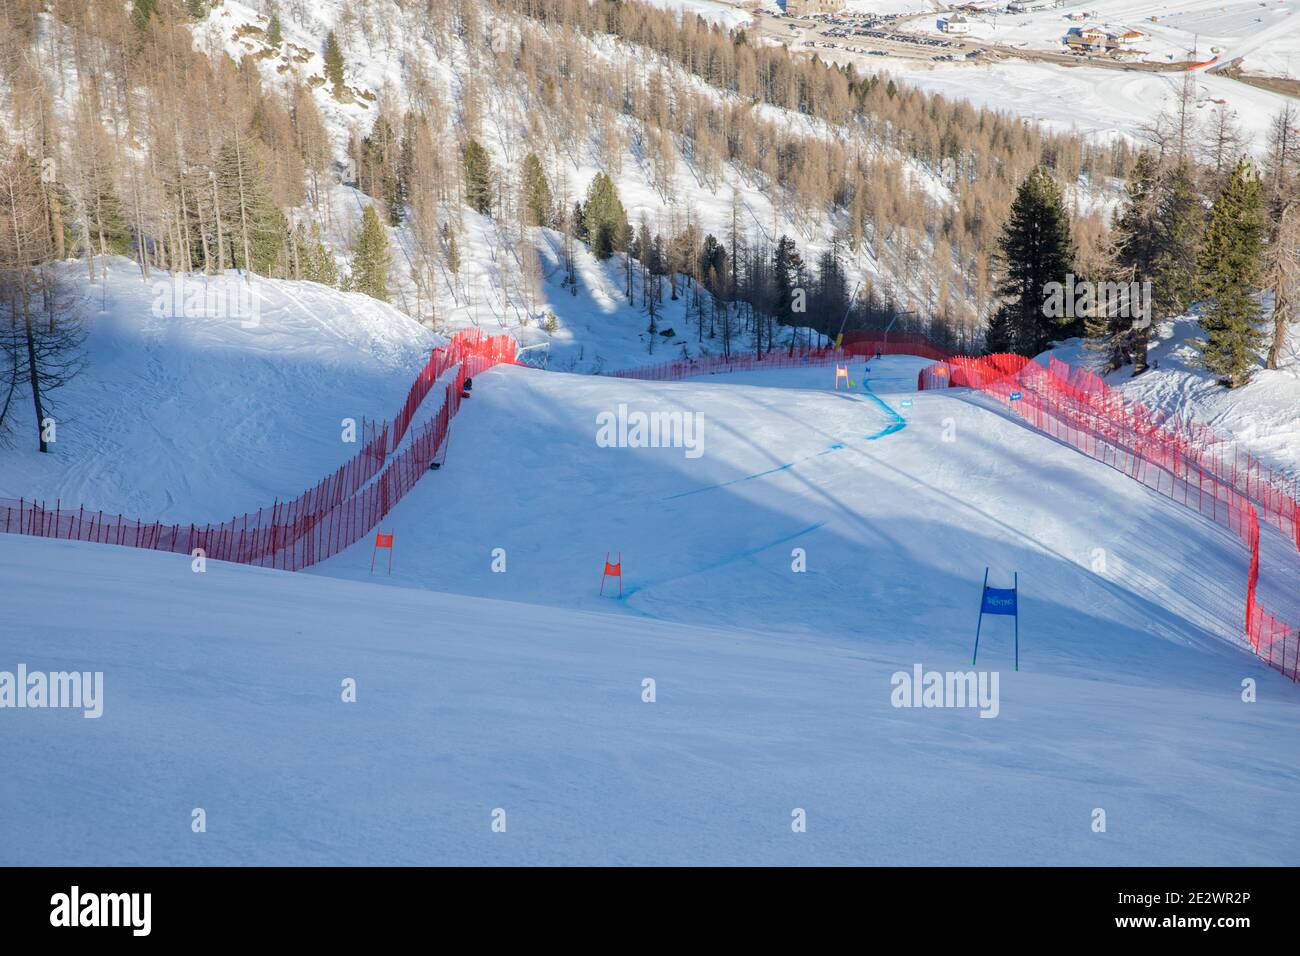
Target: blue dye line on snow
740, 555
723, 484
897, 424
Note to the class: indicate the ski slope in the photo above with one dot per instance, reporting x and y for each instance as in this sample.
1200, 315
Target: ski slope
882, 513
724, 13
195, 404
522, 690
1103, 103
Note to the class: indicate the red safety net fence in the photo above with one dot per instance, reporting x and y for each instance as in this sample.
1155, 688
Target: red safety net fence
1183, 460
322, 521
736, 362
875, 342
855, 344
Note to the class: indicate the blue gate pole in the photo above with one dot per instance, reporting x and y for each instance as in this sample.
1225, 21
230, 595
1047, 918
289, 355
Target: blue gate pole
981, 620
1015, 586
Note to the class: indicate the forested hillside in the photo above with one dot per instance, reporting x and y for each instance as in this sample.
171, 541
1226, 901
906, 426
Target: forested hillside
545, 165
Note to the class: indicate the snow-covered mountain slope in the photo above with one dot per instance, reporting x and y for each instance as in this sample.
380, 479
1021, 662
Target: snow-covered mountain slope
896, 520
222, 690
205, 398
1107, 104
725, 12
392, 47
521, 689
208, 397
1262, 417
202, 415
598, 330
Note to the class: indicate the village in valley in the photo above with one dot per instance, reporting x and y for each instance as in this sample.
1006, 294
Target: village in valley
1150, 35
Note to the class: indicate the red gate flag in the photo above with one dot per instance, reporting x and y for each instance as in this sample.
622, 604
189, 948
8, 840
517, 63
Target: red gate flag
614, 570
382, 541
841, 372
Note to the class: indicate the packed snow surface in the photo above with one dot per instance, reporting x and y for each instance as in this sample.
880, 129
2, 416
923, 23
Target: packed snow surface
1105, 103
1261, 417
207, 397
523, 691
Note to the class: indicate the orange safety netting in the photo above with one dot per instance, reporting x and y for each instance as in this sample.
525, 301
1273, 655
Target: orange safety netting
322, 521
1183, 460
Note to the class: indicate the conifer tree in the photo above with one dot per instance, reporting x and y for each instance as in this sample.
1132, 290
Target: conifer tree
536, 193
379, 169
317, 262
1034, 250
578, 219
103, 215
713, 259
334, 66
1154, 244
327, 271
478, 177
787, 271
1282, 153
397, 204
832, 292
1135, 248
256, 223
1179, 223
1228, 272
274, 31
604, 219
142, 11
370, 257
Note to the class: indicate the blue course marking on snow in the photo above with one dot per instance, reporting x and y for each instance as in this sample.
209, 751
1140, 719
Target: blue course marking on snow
721, 562
897, 423
723, 484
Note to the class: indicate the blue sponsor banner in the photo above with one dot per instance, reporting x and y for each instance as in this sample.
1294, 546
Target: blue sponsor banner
999, 601
1016, 396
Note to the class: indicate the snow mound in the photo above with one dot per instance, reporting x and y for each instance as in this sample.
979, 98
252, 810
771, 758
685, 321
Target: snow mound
209, 397
1263, 417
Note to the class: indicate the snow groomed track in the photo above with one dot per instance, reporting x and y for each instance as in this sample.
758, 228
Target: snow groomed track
773, 686
1182, 460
